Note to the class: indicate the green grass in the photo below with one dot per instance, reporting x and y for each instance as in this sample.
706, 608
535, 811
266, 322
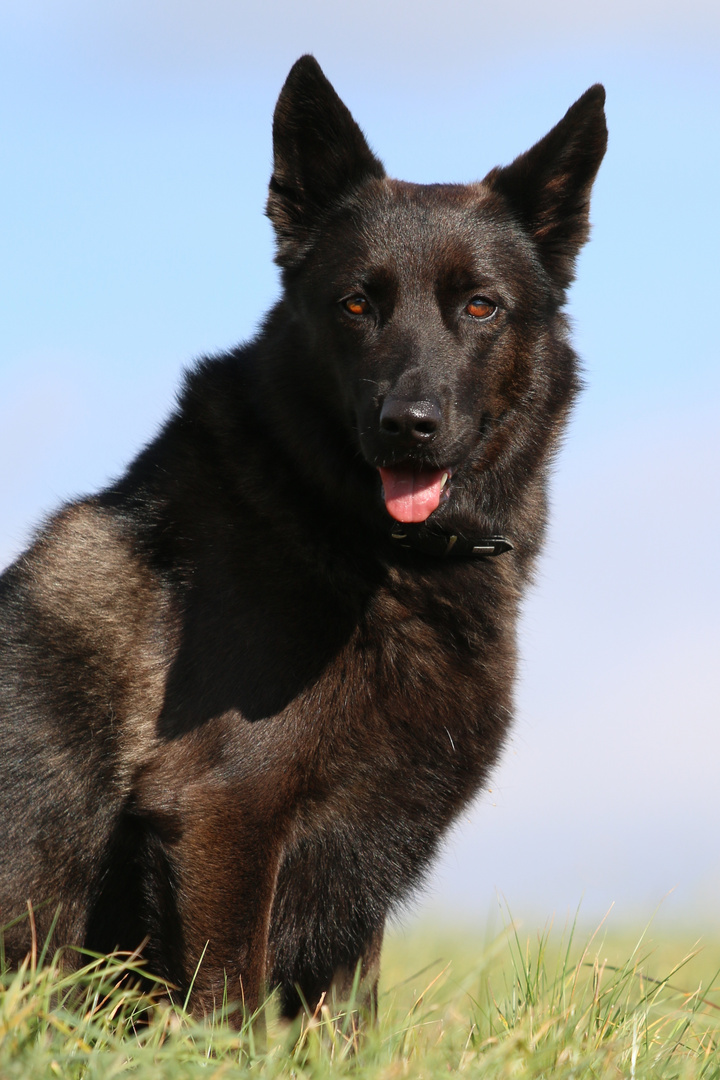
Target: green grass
539, 1005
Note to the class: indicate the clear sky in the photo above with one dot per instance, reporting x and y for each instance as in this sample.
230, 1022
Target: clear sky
136, 148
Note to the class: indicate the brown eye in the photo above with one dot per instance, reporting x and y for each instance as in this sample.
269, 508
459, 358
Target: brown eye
480, 308
356, 305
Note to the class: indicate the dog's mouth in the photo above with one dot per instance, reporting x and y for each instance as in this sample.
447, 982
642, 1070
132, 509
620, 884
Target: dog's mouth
412, 494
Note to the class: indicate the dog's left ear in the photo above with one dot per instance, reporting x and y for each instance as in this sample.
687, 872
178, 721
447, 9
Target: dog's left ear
548, 187
320, 154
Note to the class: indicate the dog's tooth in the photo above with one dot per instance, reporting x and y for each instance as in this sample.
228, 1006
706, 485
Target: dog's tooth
445, 478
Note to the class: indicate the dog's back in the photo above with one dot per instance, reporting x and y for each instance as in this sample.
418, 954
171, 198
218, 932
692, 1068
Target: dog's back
245, 690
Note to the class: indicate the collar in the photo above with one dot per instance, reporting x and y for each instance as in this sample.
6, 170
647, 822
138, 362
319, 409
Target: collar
447, 543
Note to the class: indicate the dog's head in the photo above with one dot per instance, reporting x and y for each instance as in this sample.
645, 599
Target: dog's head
435, 310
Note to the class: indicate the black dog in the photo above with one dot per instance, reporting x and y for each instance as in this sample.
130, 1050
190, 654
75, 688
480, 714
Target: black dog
246, 689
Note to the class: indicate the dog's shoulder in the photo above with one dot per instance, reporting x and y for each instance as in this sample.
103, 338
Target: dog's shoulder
83, 567
83, 599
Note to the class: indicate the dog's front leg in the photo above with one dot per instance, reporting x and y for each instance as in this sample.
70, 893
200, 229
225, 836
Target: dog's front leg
224, 866
358, 987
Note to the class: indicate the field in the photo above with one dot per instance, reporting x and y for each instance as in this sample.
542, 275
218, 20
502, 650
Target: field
560, 1002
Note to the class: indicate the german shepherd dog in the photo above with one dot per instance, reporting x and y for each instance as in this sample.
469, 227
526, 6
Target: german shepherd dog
245, 690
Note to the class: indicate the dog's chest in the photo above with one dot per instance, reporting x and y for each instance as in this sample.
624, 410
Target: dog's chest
417, 680
313, 709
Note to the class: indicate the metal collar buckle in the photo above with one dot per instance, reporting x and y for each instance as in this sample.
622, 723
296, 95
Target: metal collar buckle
420, 537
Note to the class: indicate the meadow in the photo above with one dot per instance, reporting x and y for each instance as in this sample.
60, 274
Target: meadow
562, 1001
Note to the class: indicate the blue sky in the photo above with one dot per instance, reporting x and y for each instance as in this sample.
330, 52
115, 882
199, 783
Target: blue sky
136, 151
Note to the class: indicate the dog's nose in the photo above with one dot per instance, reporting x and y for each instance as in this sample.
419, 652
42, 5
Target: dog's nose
409, 422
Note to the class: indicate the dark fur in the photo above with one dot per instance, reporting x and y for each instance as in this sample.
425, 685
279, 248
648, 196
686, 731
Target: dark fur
233, 712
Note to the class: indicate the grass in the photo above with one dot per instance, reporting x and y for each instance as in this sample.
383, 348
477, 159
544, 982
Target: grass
551, 1004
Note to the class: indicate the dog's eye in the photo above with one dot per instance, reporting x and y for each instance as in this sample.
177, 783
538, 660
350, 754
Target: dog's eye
480, 308
356, 304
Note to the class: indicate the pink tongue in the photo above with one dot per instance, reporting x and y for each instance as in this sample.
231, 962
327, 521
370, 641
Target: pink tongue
409, 495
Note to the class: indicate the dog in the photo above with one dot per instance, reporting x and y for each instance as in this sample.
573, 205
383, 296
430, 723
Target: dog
246, 689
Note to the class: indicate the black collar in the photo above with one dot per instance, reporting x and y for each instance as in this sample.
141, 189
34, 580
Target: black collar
447, 543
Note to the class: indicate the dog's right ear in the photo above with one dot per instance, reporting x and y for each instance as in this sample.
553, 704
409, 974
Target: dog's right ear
320, 154
548, 187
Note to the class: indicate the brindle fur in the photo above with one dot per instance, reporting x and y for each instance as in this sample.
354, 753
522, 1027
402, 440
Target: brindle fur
235, 717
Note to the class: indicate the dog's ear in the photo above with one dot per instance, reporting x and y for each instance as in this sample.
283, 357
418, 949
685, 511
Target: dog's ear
320, 154
548, 188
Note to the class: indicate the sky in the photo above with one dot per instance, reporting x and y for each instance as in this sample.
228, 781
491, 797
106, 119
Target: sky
136, 152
